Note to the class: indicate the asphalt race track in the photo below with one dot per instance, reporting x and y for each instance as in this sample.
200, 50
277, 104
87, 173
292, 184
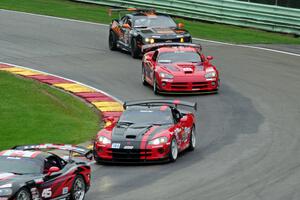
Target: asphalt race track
248, 134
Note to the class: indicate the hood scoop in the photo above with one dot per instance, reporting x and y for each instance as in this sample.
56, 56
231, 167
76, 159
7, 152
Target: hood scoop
187, 68
130, 137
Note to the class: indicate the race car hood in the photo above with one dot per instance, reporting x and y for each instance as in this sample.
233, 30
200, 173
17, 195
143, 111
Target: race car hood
184, 69
137, 133
163, 33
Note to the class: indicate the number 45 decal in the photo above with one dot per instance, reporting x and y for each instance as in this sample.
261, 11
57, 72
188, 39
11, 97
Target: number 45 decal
47, 193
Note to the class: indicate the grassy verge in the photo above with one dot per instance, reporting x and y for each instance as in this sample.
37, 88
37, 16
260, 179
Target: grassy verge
31, 113
95, 13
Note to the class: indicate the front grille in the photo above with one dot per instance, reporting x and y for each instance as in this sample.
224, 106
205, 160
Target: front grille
130, 154
187, 85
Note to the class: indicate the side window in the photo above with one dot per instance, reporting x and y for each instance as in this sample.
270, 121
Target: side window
128, 21
176, 114
123, 19
154, 57
53, 161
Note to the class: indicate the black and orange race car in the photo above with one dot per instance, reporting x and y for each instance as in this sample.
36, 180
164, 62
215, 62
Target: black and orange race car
147, 131
32, 172
144, 26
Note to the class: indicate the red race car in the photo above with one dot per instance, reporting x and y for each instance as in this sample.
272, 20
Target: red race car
27, 172
178, 67
150, 130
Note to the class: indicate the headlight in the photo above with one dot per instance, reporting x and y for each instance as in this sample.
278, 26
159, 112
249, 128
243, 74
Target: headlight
157, 141
181, 39
104, 140
211, 74
165, 75
149, 40
5, 192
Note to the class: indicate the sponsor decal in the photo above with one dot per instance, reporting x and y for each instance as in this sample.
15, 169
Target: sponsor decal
65, 190
128, 147
115, 145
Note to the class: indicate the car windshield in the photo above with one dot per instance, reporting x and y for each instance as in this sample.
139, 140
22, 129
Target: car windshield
20, 165
153, 21
146, 116
179, 56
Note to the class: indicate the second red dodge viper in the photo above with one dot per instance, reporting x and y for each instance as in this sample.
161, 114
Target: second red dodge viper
178, 67
150, 130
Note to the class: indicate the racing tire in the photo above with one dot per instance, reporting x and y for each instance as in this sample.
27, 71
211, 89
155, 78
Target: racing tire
78, 189
23, 194
144, 76
112, 41
192, 142
135, 51
173, 151
155, 88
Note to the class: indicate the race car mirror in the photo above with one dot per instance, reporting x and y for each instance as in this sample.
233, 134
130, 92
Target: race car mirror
53, 170
183, 119
126, 26
180, 25
209, 57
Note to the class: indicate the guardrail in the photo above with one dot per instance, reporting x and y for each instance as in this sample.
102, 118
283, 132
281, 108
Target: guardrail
270, 18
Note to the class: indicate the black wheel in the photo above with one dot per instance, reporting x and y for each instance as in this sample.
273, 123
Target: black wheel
173, 150
135, 51
155, 88
78, 189
23, 194
112, 41
144, 76
192, 144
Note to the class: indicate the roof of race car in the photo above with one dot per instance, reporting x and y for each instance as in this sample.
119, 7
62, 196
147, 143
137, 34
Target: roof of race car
24, 154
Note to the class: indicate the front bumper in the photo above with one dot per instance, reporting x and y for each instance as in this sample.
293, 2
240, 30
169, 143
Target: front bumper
169, 86
151, 154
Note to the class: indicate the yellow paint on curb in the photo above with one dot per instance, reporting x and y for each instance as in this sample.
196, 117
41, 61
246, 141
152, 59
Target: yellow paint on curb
73, 87
108, 106
11, 69
27, 73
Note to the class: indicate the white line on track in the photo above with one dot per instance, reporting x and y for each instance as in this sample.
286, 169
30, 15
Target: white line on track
199, 39
98, 90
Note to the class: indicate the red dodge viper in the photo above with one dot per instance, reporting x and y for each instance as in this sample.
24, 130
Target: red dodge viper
150, 130
178, 67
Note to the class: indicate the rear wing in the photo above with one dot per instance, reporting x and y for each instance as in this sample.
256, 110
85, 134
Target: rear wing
64, 147
152, 47
142, 10
155, 102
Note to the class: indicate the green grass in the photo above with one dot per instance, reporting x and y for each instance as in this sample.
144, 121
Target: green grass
96, 13
31, 112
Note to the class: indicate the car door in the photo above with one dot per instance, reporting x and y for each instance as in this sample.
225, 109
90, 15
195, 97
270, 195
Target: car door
184, 128
57, 184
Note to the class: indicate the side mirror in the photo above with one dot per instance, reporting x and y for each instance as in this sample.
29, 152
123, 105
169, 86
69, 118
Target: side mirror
209, 57
183, 119
180, 25
53, 170
126, 26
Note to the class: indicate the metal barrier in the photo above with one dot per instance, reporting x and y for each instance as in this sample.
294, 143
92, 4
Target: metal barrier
271, 18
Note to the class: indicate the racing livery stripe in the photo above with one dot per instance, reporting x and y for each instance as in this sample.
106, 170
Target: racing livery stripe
144, 141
